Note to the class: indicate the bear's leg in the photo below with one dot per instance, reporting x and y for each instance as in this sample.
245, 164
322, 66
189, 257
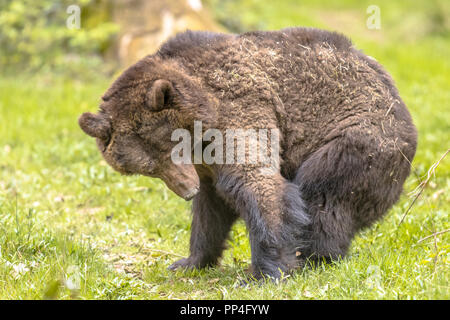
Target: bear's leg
274, 214
347, 185
211, 223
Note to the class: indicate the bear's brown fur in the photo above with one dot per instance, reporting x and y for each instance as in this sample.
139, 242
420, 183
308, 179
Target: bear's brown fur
346, 139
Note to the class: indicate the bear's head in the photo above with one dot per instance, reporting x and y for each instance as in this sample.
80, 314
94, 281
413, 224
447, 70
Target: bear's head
138, 114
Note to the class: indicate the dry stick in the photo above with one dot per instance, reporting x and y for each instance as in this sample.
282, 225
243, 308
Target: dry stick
433, 235
424, 184
164, 252
406, 158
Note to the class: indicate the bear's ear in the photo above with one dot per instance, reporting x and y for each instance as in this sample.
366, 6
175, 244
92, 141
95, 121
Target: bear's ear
160, 95
95, 125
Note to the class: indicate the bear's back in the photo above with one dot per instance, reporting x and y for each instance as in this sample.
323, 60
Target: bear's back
301, 36
189, 43
185, 43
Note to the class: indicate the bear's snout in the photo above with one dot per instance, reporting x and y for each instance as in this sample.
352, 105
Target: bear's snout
182, 179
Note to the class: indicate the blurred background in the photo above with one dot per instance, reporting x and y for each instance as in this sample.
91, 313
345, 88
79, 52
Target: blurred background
71, 227
70, 35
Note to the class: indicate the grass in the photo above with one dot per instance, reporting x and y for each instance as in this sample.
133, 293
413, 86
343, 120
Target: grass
72, 228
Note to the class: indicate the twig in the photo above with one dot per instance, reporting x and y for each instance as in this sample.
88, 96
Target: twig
423, 184
164, 252
433, 235
406, 158
389, 110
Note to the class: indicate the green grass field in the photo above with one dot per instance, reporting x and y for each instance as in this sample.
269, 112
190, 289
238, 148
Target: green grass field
72, 228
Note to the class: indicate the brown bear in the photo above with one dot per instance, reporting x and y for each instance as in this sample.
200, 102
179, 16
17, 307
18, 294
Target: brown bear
346, 139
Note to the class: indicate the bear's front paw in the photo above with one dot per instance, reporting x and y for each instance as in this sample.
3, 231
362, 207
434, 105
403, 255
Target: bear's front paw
185, 263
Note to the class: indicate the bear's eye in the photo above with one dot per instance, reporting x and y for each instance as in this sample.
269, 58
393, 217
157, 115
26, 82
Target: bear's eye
151, 166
